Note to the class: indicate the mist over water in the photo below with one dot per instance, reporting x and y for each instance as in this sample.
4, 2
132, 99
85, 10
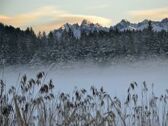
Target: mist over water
114, 78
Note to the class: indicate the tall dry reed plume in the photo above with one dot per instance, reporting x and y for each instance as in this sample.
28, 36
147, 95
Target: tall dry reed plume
34, 103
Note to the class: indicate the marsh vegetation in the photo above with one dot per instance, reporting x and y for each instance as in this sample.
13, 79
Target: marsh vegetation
34, 102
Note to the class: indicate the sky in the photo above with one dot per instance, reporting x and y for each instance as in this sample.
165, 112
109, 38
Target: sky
46, 15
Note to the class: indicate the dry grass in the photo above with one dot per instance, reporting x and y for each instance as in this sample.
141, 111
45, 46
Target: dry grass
35, 104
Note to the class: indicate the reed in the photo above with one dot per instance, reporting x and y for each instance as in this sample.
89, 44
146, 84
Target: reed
35, 103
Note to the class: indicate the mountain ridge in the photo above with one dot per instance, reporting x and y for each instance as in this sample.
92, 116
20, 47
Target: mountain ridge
88, 27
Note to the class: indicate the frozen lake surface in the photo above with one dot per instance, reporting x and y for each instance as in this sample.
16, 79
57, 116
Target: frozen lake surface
114, 78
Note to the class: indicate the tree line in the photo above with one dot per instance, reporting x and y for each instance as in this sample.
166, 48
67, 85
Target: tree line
22, 47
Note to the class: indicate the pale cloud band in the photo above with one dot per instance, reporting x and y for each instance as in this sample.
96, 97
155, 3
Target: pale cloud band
48, 18
152, 14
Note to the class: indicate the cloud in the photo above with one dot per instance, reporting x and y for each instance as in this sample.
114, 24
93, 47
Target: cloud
70, 18
31, 17
48, 18
152, 14
99, 7
2, 17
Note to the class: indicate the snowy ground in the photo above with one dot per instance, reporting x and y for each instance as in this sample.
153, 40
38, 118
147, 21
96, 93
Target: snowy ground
114, 78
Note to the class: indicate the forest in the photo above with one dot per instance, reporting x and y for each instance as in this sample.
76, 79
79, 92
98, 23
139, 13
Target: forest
25, 47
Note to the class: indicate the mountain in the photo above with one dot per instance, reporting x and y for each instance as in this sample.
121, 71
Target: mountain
87, 27
123, 26
156, 25
77, 30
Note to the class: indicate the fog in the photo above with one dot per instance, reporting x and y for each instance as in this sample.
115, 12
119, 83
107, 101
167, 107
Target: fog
114, 78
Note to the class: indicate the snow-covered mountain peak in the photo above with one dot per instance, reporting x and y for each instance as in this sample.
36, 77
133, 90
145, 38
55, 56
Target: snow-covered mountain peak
146, 21
124, 22
165, 20
157, 26
66, 27
85, 22
87, 27
123, 25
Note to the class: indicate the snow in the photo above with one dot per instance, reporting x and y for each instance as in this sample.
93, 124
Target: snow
58, 34
157, 25
85, 27
77, 33
88, 27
